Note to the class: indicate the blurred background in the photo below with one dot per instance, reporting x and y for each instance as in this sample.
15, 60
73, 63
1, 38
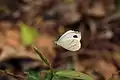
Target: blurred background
97, 20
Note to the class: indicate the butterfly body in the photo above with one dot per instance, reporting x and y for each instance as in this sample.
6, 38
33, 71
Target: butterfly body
70, 40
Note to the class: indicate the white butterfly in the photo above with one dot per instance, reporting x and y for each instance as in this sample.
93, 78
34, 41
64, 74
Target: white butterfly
70, 40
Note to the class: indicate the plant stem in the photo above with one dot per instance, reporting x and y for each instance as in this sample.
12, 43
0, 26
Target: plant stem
52, 74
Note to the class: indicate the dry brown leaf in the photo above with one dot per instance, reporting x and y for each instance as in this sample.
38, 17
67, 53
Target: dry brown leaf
13, 38
97, 10
20, 52
48, 27
2, 39
106, 68
65, 11
4, 25
9, 53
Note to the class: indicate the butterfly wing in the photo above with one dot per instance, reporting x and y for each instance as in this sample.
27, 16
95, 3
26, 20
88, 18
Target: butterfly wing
75, 45
64, 44
69, 35
66, 34
69, 42
72, 45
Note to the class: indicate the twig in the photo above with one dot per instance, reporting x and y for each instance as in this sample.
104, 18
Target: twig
11, 74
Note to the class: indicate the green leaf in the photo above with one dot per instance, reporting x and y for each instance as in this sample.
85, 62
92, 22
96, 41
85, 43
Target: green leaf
61, 78
33, 75
74, 75
55, 77
28, 34
48, 76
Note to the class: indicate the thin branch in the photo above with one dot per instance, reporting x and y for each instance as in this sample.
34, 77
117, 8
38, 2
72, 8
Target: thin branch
11, 74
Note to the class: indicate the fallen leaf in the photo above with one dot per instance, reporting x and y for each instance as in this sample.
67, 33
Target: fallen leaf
13, 38
105, 68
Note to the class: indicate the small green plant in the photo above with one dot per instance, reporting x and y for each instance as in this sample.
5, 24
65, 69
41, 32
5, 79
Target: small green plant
28, 35
62, 73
